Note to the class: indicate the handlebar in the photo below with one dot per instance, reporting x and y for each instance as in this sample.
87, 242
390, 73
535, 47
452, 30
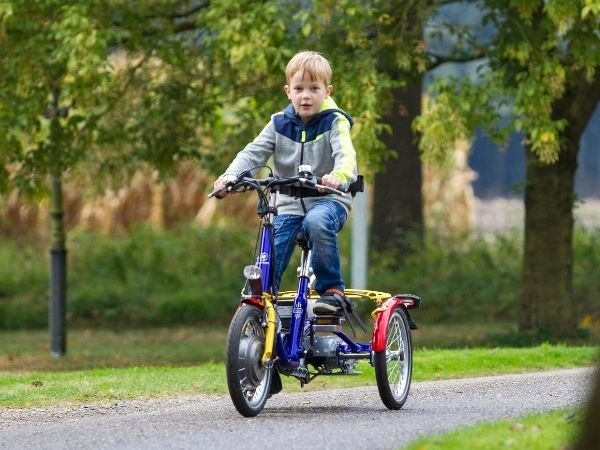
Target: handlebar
244, 183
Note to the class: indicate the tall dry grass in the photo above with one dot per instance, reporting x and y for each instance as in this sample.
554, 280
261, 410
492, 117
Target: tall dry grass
182, 199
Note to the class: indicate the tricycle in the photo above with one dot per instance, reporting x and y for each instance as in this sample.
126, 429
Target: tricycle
275, 333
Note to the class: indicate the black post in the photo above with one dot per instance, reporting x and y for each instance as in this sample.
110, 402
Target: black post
58, 273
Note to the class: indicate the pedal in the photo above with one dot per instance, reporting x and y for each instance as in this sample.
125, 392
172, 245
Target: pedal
328, 323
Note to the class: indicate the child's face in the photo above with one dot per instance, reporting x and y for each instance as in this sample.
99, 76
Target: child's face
307, 95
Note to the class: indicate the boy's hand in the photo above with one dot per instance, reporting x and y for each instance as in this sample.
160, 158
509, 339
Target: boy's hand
331, 181
221, 183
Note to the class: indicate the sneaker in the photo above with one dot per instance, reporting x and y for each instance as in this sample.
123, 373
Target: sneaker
330, 303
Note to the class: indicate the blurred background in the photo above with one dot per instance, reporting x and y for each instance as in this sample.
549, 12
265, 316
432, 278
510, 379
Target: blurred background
479, 146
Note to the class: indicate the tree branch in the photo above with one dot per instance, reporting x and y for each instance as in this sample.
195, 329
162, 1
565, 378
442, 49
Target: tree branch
437, 60
193, 10
451, 2
187, 25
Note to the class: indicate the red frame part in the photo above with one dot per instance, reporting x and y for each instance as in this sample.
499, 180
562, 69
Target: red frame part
387, 308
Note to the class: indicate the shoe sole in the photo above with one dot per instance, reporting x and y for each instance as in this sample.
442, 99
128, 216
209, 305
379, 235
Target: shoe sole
327, 309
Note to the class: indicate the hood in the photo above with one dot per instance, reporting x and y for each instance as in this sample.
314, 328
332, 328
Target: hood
329, 107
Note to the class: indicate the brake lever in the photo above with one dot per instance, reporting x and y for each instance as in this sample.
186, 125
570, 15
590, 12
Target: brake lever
219, 194
216, 194
330, 189
317, 185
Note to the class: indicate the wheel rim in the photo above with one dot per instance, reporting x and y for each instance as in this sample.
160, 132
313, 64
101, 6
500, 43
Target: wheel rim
251, 373
397, 365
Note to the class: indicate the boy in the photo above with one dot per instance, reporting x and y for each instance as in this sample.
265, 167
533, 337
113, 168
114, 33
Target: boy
311, 130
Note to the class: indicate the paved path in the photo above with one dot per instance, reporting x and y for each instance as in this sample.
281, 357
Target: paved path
341, 419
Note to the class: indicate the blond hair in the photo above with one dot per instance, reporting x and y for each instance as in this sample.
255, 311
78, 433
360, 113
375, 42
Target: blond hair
313, 63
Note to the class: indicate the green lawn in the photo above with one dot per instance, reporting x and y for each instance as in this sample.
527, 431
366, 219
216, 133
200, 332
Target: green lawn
104, 366
185, 346
26, 388
549, 431
88, 349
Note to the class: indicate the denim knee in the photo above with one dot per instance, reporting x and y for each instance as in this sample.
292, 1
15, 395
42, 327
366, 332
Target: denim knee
316, 225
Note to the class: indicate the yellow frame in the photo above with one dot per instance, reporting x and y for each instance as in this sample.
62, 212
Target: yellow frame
355, 294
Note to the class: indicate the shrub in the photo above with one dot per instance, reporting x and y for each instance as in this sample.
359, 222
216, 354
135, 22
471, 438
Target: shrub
458, 278
192, 275
23, 285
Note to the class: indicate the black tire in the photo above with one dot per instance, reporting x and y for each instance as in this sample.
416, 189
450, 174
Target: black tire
249, 382
393, 366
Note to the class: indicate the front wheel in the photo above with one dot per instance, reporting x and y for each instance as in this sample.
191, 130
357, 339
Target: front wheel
393, 366
249, 382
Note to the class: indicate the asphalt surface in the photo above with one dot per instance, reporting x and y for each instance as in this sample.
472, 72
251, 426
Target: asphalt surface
337, 419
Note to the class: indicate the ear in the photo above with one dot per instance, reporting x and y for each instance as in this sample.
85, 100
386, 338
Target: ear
286, 88
329, 88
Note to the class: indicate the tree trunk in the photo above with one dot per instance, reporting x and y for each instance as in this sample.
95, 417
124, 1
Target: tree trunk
589, 436
547, 295
398, 202
547, 299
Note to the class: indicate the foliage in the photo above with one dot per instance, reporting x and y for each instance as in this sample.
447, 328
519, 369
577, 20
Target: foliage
190, 275
185, 275
97, 90
247, 54
525, 67
69, 68
460, 279
587, 267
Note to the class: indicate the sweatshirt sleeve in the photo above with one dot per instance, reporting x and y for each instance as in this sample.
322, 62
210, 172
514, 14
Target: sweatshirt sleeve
344, 155
256, 153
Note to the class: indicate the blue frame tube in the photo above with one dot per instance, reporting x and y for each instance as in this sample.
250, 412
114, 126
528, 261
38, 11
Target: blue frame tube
290, 346
296, 335
265, 260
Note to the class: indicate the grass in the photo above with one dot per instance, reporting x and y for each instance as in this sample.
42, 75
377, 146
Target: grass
107, 384
169, 278
28, 388
433, 364
87, 349
104, 366
548, 431
184, 346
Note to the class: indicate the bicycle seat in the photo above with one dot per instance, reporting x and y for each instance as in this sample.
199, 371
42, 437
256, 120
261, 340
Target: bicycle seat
301, 240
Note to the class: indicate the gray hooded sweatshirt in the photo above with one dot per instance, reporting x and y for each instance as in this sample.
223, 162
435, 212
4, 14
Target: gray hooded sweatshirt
323, 142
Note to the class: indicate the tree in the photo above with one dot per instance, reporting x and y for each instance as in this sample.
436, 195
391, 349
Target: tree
589, 435
61, 108
543, 62
395, 37
93, 92
247, 46
376, 50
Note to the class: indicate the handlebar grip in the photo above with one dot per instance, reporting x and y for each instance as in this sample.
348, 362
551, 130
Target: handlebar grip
216, 194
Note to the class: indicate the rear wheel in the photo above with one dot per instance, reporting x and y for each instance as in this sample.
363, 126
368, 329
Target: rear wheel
393, 366
249, 382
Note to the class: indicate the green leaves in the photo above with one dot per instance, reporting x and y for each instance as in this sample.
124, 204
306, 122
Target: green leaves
591, 8
155, 82
117, 72
539, 50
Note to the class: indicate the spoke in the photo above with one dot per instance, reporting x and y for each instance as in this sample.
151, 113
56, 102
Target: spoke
393, 372
397, 367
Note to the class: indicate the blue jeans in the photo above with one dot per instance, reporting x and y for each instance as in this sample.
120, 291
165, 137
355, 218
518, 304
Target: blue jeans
320, 225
